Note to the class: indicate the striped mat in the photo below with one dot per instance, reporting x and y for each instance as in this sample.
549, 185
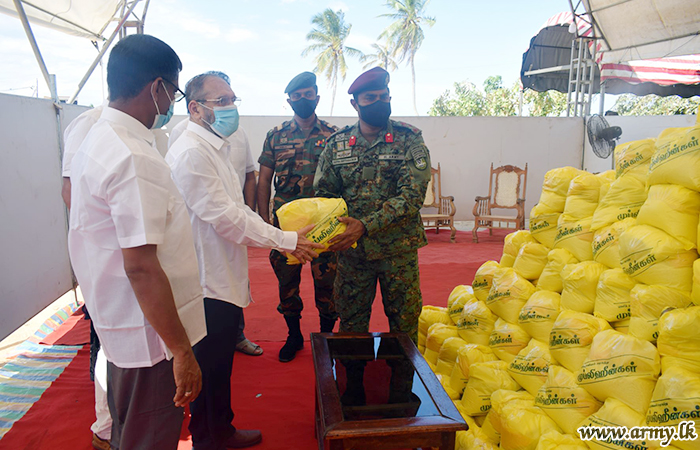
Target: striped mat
32, 369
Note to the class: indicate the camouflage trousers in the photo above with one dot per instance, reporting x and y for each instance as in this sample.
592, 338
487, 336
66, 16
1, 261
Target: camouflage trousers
399, 282
323, 271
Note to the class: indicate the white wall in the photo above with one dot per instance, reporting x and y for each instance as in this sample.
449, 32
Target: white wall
34, 265
465, 147
633, 129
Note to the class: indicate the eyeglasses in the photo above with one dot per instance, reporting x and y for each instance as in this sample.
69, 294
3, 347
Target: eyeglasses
309, 95
371, 98
223, 101
179, 95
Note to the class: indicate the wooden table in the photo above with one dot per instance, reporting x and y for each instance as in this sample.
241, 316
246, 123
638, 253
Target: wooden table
375, 391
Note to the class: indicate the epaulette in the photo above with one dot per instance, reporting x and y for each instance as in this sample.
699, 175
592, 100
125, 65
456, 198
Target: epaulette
279, 128
408, 126
342, 130
327, 125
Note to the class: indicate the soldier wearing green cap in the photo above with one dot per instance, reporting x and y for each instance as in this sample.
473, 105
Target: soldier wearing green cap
290, 155
381, 168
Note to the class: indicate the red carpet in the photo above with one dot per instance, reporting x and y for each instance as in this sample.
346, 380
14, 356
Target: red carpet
74, 331
274, 397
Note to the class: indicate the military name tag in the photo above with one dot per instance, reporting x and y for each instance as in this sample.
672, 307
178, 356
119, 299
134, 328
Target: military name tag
391, 157
343, 154
339, 162
284, 146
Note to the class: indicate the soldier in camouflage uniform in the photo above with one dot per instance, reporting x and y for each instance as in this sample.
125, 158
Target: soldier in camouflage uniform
290, 155
381, 168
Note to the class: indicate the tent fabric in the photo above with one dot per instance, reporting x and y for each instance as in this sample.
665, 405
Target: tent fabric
84, 18
645, 29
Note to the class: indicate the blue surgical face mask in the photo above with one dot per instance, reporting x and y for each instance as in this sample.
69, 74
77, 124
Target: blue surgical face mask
225, 120
162, 119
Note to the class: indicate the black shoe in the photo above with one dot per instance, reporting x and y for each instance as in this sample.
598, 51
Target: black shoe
327, 325
295, 340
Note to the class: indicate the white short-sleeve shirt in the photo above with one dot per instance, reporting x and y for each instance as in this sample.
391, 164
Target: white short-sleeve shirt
222, 225
123, 196
239, 149
75, 134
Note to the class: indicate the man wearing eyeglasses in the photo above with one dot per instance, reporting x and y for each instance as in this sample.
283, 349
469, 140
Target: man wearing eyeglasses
381, 168
223, 227
290, 155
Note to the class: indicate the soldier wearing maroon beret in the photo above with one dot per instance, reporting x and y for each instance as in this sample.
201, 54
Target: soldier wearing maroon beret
381, 168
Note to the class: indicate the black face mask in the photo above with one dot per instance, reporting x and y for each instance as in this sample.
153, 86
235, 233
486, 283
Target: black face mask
304, 107
377, 114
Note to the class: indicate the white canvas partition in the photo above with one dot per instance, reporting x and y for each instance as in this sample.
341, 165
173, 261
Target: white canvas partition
465, 147
34, 265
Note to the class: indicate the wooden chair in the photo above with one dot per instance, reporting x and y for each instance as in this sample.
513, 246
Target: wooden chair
445, 206
507, 186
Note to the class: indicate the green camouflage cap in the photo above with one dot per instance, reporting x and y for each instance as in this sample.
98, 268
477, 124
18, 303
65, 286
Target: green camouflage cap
301, 81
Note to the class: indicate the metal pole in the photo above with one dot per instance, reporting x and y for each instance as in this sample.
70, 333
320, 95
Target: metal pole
601, 109
35, 47
105, 46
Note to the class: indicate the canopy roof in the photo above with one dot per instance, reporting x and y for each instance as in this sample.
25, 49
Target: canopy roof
84, 18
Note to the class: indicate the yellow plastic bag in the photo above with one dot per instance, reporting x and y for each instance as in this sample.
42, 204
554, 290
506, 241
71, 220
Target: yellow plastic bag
476, 323
531, 259
565, 401
606, 243
680, 162
543, 225
428, 316
437, 334
571, 337
448, 355
507, 340
466, 356
580, 284
550, 279
622, 367
632, 158
554, 440
509, 292
531, 365
679, 340
622, 326
484, 379
493, 424
651, 256
695, 293
614, 413
512, 244
322, 212
582, 198
555, 187
606, 178
676, 398
482, 279
575, 235
646, 305
522, 427
539, 313
460, 296
623, 200
673, 209
612, 300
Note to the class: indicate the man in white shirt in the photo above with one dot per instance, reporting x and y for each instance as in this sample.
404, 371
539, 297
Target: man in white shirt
244, 164
102, 427
130, 243
223, 227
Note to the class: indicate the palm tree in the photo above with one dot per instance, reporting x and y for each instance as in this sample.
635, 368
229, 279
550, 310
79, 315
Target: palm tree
329, 35
406, 34
381, 57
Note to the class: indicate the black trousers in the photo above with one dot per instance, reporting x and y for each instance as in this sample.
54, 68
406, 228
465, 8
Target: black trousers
211, 410
144, 416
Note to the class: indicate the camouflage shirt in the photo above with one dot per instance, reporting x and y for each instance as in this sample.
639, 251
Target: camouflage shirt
383, 183
294, 157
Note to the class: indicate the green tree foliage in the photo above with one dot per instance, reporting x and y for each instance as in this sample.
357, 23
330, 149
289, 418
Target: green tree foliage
495, 100
653, 105
405, 34
381, 57
328, 36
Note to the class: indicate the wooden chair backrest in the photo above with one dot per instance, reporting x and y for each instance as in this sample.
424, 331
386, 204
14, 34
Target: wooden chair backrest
433, 193
507, 184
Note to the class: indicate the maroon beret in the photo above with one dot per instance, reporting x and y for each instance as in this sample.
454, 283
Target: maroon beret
372, 80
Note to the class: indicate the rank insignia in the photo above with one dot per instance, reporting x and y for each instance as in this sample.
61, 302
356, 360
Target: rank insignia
352, 140
389, 138
320, 143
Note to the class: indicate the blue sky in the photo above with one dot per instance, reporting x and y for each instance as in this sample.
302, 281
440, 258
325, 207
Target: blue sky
259, 44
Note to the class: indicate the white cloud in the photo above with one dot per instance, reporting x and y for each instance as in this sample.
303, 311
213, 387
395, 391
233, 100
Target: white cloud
360, 41
240, 35
339, 5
